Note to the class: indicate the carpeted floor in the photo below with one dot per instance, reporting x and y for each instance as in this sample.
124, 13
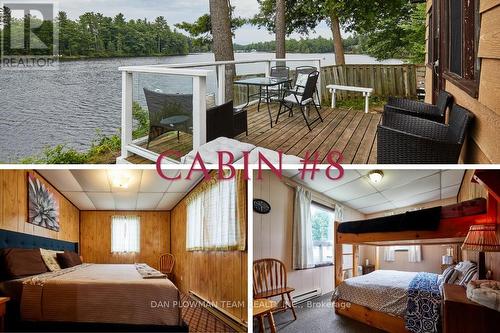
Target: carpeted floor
199, 319
317, 316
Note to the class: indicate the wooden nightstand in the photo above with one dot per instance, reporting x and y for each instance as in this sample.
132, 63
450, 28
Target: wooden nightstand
368, 269
3, 306
460, 315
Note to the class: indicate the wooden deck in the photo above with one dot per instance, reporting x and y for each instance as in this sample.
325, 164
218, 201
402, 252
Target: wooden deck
350, 131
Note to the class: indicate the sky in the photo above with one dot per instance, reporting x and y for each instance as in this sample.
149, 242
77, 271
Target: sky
176, 11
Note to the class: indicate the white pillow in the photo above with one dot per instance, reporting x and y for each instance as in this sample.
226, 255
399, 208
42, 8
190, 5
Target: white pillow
50, 259
301, 80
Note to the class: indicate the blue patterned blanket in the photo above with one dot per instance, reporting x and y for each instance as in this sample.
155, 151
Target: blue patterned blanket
424, 304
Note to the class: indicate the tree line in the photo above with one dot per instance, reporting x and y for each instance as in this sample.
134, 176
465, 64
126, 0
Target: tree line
303, 45
96, 35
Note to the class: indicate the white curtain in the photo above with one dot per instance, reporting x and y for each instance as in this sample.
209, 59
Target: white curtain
125, 234
303, 256
212, 220
415, 253
389, 253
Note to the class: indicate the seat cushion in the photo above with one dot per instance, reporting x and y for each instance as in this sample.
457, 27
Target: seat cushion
209, 150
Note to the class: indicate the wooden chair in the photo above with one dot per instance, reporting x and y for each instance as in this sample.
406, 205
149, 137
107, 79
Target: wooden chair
269, 280
167, 262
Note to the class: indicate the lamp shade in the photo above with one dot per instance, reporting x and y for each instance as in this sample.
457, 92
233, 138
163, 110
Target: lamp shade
482, 238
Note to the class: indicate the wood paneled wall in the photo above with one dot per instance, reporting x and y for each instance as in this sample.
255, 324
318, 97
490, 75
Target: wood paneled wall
217, 276
482, 145
95, 237
14, 208
469, 191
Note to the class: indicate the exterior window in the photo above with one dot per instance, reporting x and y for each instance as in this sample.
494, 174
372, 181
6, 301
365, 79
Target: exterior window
461, 65
322, 219
125, 234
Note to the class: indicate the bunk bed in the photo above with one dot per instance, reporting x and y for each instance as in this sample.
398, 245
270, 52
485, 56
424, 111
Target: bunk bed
439, 225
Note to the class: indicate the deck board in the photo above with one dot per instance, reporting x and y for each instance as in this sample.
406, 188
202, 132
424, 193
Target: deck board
351, 132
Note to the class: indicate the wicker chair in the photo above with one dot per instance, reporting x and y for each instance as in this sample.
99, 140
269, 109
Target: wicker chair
168, 113
403, 139
423, 110
269, 280
167, 262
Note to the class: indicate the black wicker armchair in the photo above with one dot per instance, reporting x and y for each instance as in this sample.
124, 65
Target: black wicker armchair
419, 109
404, 139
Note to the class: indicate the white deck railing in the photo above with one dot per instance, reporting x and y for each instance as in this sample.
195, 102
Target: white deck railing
199, 87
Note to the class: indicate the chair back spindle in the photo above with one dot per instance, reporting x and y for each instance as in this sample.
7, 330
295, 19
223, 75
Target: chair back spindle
167, 262
268, 274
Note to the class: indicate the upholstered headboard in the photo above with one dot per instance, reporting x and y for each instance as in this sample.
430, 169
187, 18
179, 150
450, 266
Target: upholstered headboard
25, 241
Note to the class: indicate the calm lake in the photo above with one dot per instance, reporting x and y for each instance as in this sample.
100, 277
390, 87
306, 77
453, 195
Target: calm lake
67, 106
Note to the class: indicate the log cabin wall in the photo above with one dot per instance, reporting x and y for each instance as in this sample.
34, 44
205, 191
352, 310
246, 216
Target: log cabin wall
14, 208
482, 145
215, 276
95, 237
468, 191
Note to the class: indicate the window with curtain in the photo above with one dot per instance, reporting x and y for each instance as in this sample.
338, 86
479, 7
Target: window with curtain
322, 219
125, 234
214, 221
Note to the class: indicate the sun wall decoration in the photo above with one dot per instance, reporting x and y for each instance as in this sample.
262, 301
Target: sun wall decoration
43, 209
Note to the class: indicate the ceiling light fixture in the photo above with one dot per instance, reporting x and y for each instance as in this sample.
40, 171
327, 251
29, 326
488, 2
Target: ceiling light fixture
120, 180
376, 176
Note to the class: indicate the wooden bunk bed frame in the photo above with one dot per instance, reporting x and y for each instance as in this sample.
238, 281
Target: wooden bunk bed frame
451, 230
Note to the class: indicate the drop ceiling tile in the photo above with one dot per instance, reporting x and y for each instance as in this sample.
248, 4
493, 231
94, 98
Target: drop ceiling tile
394, 178
419, 199
125, 200
450, 191
419, 186
377, 208
92, 180
62, 180
133, 178
350, 191
148, 201
367, 201
452, 177
102, 200
322, 183
169, 200
80, 200
152, 182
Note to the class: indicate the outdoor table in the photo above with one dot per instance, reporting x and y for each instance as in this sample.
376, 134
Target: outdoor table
175, 121
264, 83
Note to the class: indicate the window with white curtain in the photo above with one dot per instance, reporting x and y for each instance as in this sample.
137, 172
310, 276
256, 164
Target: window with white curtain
212, 221
125, 234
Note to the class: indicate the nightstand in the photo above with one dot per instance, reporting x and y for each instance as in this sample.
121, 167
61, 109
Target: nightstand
3, 306
368, 269
461, 315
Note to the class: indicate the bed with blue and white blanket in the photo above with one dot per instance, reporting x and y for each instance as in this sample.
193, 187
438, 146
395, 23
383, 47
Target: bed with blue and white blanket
413, 297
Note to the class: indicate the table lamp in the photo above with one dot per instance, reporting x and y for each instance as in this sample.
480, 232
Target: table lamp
482, 238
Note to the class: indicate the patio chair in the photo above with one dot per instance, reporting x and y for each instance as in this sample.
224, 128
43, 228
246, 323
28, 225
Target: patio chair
423, 110
404, 139
168, 113
269, 280
303, 99
306, 70
279, 72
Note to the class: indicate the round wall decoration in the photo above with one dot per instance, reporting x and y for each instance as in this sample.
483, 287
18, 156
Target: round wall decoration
261, 206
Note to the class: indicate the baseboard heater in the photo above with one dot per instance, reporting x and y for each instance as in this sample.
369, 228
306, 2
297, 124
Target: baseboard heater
308, 295
228, 318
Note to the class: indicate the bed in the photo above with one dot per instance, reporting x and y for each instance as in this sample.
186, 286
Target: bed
438, 225
89, 296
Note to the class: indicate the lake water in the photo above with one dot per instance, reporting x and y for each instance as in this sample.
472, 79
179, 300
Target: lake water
41, 109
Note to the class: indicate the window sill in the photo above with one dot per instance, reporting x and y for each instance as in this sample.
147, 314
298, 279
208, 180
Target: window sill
323, 265
471, 87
